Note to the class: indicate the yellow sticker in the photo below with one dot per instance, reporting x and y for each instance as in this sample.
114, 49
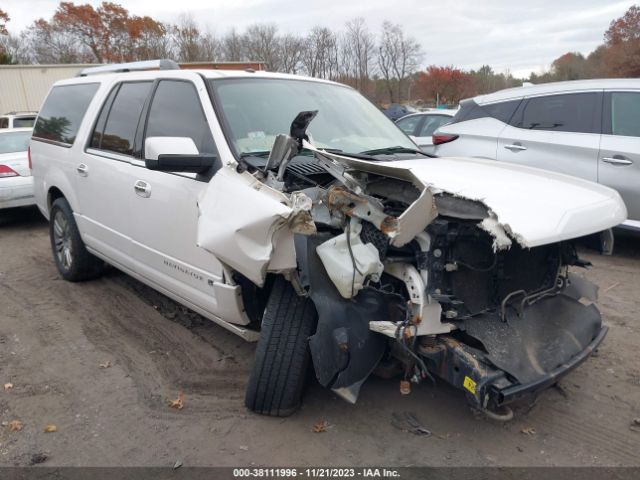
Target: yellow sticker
469, 385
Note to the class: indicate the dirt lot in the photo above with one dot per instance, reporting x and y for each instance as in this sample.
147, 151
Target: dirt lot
56, 337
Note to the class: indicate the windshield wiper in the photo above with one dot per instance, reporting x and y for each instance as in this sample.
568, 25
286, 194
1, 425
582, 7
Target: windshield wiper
359, 156
395, 149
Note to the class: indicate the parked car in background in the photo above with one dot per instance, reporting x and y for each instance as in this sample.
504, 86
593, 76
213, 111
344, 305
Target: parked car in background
587, 128
290, 211
18, 120
421, 126
396, 111
16, 182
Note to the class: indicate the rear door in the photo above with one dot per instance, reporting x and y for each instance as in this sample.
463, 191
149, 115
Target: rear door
619, 159
559, 132
105, 173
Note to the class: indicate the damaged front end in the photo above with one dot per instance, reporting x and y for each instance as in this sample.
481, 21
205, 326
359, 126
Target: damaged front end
409, 276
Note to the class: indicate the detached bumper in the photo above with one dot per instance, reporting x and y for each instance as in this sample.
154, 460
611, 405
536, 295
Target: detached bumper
16, 192
497, 362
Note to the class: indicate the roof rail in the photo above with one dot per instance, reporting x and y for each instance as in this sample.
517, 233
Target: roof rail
131, 67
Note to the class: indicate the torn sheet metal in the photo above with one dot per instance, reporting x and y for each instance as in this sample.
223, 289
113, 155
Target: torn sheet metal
507, 191
245, 240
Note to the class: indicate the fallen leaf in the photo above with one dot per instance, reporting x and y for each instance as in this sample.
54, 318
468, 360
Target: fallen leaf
244, 447
528, 431
320, 427
405, 387
16, 425
106, 364
178, 403
8, 386
50, 428
178, 464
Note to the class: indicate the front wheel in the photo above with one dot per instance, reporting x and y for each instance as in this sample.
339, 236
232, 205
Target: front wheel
73, 260
282, 355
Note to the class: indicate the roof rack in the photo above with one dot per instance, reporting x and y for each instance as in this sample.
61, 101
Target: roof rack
22, 112
131, 67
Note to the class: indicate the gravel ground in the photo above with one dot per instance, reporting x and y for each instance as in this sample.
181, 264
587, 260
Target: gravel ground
100, 360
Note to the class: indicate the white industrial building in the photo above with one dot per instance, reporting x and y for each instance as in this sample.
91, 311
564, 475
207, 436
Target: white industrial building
24, 87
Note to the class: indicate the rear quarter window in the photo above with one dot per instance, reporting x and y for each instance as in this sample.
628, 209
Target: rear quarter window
63, 111
470, 110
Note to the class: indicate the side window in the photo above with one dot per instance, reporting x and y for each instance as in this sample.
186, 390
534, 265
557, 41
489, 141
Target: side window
574, 112
176, 112
4, 122
63, 111
432, 123
23, 122
502, 111
119, 119
624, 114
470, 110
408, 125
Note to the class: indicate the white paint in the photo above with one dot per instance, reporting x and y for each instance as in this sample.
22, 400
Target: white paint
339, 263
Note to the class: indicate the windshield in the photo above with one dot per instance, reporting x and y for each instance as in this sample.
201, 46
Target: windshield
11, 142
258, 109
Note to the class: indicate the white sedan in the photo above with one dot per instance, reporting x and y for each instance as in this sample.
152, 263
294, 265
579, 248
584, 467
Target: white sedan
16, 182
420, 126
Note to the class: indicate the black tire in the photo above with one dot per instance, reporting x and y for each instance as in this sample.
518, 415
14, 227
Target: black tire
72, 259
282, 355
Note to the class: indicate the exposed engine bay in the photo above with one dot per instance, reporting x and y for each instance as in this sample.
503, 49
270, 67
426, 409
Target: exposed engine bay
408, 278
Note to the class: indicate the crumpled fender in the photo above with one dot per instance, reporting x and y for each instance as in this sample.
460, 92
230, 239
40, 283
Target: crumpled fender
241, 222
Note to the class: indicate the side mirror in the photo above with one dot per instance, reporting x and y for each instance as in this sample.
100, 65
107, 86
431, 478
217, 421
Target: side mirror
175, 154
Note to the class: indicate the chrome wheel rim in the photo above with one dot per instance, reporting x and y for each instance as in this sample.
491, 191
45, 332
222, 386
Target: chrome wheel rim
62, 240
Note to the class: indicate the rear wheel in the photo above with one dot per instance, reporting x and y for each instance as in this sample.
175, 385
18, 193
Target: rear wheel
282, 355
73, 260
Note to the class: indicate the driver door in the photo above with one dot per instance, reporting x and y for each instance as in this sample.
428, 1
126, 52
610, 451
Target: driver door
165, 204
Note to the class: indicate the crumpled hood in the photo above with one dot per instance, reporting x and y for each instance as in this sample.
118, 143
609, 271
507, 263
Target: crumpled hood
535, 206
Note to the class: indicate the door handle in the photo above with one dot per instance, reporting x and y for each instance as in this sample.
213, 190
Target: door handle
83, 170
620, 161
516, 147
142, 188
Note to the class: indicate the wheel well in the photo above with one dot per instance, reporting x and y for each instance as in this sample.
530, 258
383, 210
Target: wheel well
254, 298
53, 195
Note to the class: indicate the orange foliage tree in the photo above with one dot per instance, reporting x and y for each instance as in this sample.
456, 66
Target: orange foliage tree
108, 32
445, 84
4, 18
621, 54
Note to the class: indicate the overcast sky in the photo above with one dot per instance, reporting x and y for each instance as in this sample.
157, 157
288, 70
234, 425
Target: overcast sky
508, 35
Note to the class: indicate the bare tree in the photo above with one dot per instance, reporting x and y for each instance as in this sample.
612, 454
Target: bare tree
398, 57
262, 44
320, 56
358, 51
188, 40
48, 44
233, 46
291, 50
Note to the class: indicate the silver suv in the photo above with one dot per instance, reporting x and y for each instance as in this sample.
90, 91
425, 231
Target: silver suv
587, 128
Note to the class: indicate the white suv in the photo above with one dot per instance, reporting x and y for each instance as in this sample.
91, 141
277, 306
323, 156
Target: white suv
586, 128
291, 211
18, 120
